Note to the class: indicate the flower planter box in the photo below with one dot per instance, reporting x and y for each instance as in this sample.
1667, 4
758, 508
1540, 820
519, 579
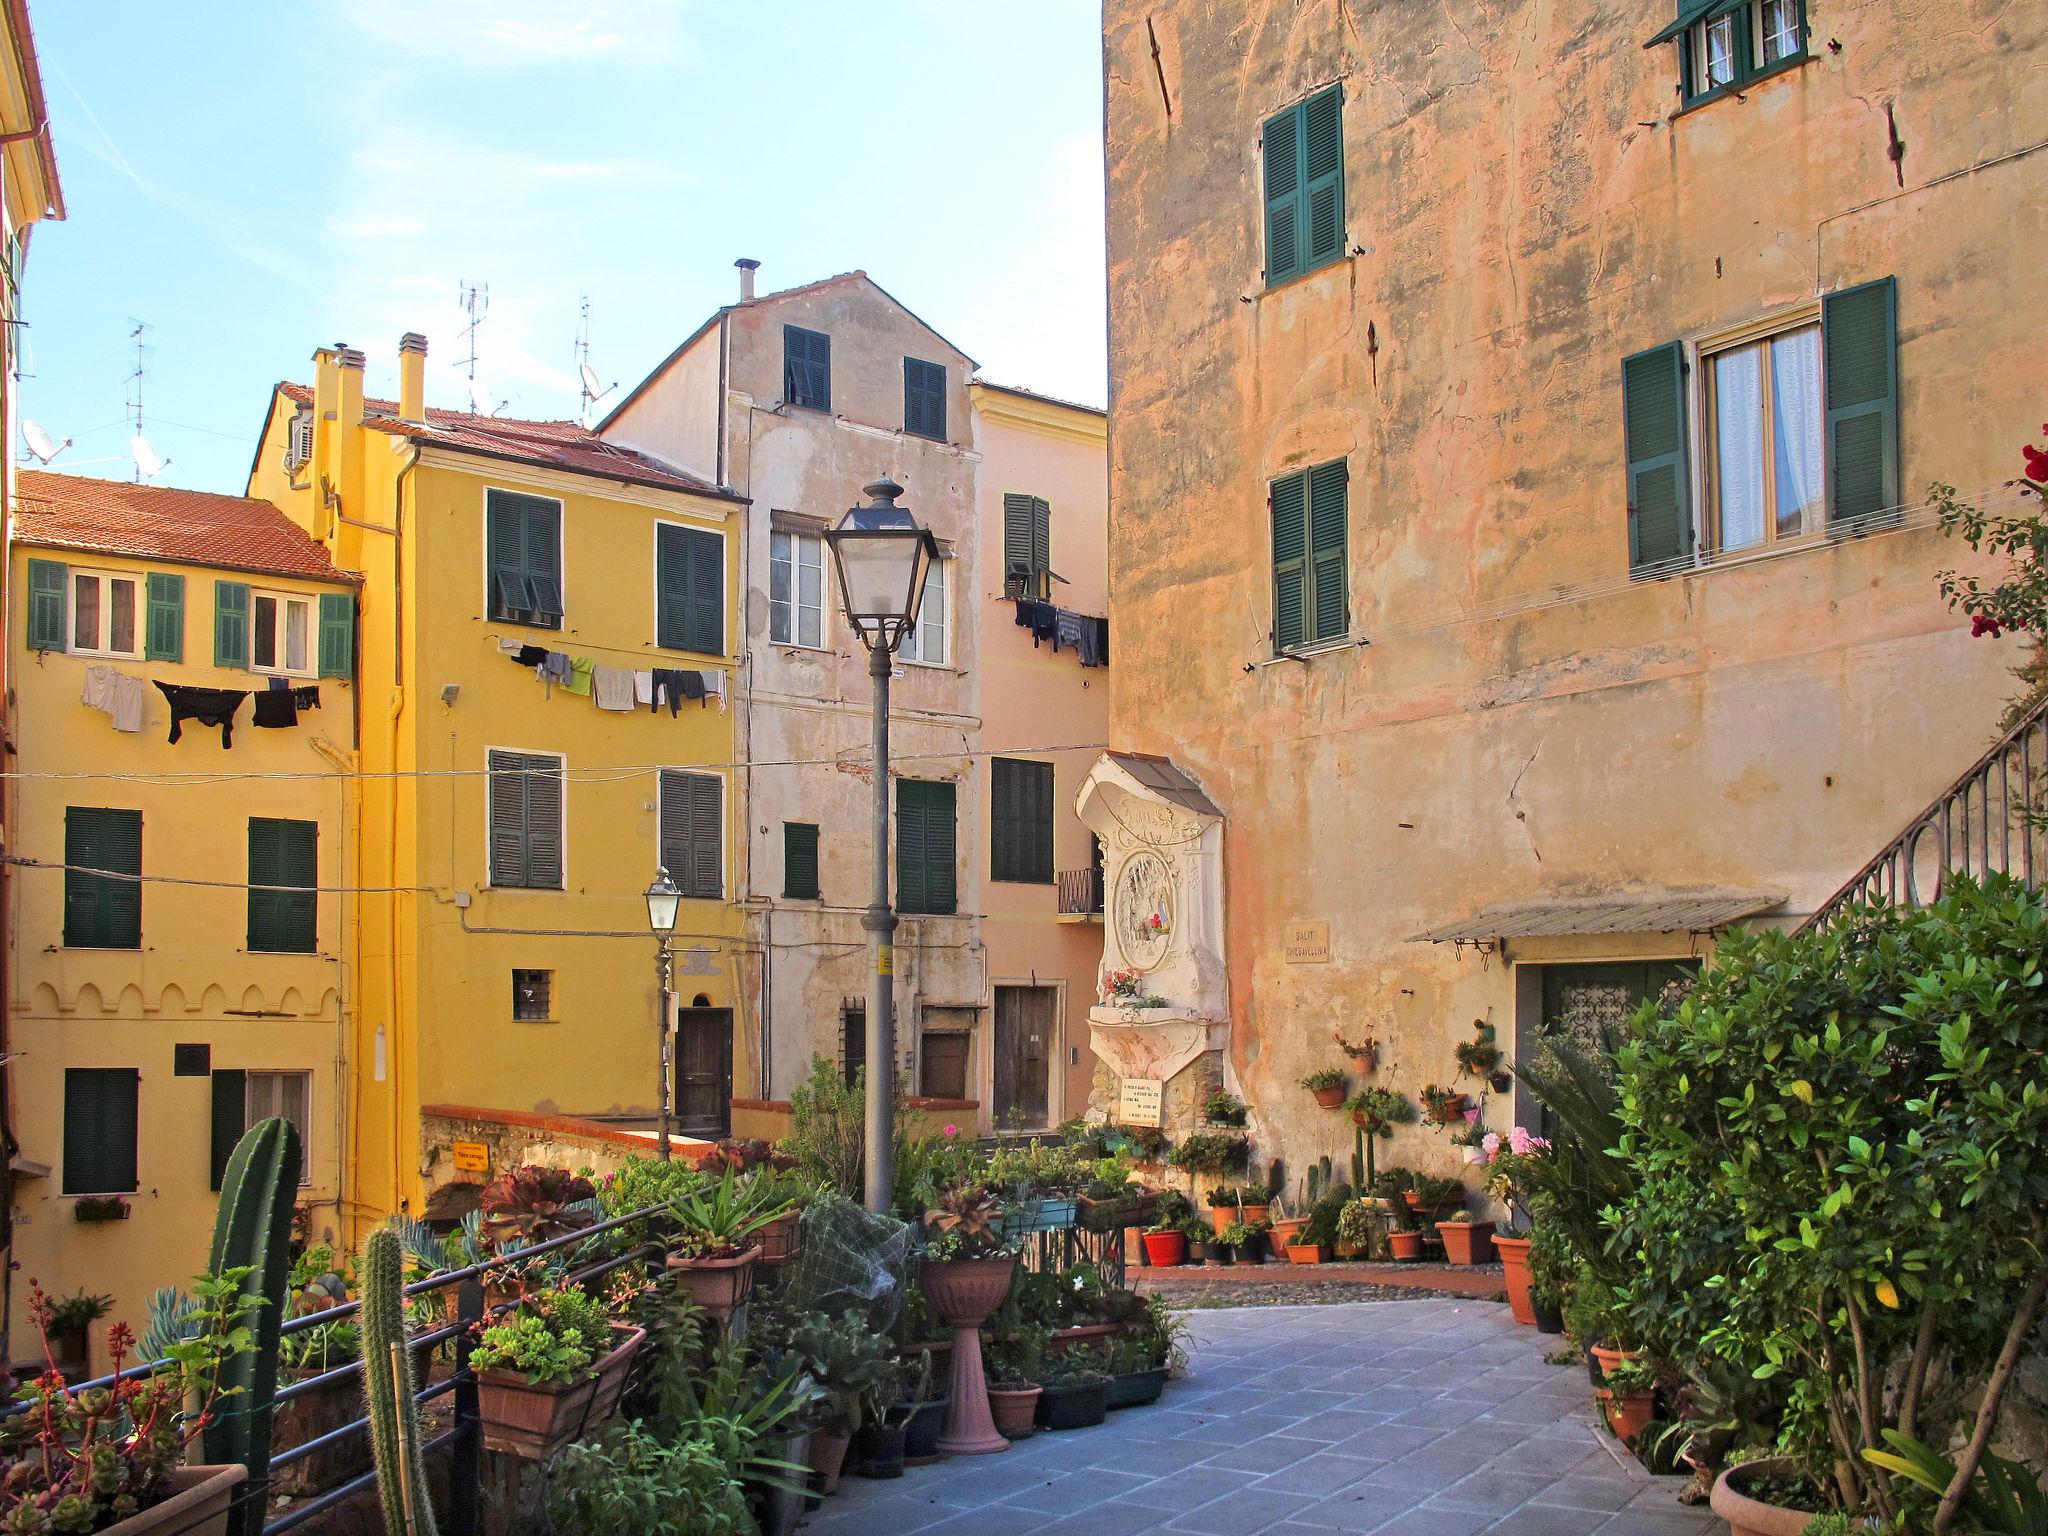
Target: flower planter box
1407, 1246
198, 1504
1015, 1410
1308, 1253
1514, 1263
1074, 1405
1136, 1388
93, 1210
533, 1420
1628, 1413
1040, 1215
1467, 1242
719, 1286
1752, 1517
1219, 1254
781, 1240
1080, 1334
1166, 1250
1107, 1215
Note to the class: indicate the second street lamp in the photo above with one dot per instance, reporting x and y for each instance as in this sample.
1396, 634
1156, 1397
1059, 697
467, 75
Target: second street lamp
663, 897
882, 557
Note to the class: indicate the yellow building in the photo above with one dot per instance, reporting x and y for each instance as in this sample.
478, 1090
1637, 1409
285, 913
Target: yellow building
154, 1017
505, 824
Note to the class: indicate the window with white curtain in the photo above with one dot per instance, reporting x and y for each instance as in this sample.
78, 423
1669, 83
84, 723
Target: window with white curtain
103, 614
1764, 453
284, 1096
1730, 47
796, 589
927, 642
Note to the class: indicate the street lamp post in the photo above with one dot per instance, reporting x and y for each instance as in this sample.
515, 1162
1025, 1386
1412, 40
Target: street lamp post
882, 556
663, 896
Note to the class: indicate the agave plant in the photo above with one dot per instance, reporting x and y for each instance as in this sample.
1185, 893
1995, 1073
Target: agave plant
533, 1204
720, 1220
966, 1223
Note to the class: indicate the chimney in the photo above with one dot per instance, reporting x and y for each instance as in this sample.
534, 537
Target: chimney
748, 266
412, 377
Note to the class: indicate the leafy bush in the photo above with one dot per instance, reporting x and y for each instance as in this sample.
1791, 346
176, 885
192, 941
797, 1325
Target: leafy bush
1213, 1152
629, 1482
552, 1337
828, 1128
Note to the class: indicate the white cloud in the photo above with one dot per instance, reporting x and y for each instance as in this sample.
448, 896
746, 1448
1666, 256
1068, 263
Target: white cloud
517, 33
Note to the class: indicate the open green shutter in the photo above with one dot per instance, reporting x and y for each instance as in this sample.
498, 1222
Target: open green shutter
1329, 519
1322, 118
1859, 335
163, 627
1289, 499
1041, 544
230, 1115
800, 860
544, 556
1659, 488
671, 587
1017, 525
231, 624
1281, 142
505, 554
337, 634
47, 581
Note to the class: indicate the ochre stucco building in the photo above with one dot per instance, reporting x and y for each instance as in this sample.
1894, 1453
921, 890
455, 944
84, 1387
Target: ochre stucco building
1519, 433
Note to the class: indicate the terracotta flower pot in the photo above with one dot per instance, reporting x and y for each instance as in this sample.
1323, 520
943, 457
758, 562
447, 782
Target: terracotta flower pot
1330, 1098
1608, 1359
1367, 1062
1014, 1410
197, 1504
1628, 1413
1514, 1261
1407, 1246
781, 1240
1253, 1214
1080, 1334
1307, 1253
533, 1420
1165, 1250
963, 1292
719, 1286
828, 1457
1288, 1230
1467, 1242
1752, 1517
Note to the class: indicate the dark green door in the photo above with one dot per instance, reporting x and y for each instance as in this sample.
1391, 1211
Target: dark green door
1590, 1004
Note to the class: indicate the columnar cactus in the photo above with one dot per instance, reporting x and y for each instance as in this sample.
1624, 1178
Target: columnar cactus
388, 1389
253, 1231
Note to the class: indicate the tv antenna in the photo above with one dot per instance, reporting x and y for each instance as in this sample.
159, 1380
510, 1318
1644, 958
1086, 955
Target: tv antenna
593, 392
475, 302
148, 462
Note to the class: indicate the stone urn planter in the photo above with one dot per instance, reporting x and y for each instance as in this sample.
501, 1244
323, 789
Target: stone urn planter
534, 1419
963, 1292
198, 1504
1514, 1262
719, 1286
1752, 1517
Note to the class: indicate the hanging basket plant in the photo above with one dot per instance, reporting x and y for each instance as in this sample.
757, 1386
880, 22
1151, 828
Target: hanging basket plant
1365, 1054
1443, 1106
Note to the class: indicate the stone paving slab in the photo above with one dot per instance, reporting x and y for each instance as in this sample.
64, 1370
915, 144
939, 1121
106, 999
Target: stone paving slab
1432, 1416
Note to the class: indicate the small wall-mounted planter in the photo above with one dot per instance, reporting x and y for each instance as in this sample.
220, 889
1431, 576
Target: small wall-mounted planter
97, 1208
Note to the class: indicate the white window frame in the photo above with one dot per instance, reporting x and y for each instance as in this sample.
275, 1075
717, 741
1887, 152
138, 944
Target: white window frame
563, 759
1705, 433
250, 1117
795, 605
935, 572
138, 582
282, 598
489, 583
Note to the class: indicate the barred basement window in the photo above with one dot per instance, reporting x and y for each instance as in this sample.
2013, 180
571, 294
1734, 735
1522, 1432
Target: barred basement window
533, 994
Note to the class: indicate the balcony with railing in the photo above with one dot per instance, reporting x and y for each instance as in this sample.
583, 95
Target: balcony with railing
1081, 895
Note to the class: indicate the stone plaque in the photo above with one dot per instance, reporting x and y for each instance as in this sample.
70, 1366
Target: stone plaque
1308, 943
1141, 1101
472, 1157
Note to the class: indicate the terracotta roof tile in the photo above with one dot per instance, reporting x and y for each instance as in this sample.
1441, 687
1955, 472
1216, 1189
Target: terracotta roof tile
161, 522
565, 445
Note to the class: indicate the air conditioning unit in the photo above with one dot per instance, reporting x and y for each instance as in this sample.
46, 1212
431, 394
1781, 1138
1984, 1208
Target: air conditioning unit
298, 441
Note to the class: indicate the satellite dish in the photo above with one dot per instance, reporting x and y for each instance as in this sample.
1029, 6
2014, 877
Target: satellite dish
148, 462
479, 398
39, 442
590, 380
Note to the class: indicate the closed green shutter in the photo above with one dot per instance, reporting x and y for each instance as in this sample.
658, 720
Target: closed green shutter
807, 368
522, 548
924, 398
926, 846
230, 1117
689, 571
1859, 335
1303, 150
1329, 518
544, 557
692, 828
102, 913
1021, 800
800, 860
1288, 497
231, 624
1659, 487
337, 634
284, 853
100, 1105
47, 582
526, 823
164, 629
1281, 142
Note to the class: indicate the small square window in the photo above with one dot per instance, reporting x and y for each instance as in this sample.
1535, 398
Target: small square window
280, 634
533, 995
191, 1060
103, 614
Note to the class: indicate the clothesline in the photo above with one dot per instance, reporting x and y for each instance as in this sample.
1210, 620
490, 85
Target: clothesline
645, 651
120, 696
617, 689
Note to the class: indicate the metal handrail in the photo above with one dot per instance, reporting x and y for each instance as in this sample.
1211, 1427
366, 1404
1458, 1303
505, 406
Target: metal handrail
1989, 821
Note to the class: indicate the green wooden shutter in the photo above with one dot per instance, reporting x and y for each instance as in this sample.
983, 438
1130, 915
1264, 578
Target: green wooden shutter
689, 577
807, 368
230, 1116
283, 853
1020, 796
1859, 335
1017, 531
48, 582
1659, 487
102, 913
337, 634
1288, 497
924, 398
100, 1106
1041, 545
692, 833
164, 628
231, 624
525, 816
544, 823
1322, 119
505, 554
544, 557
800, 860
926, 846
1329, 519
1282, 152
507, 817
941, 848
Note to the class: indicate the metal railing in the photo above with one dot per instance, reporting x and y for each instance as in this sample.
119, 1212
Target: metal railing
1080, 892
1989, 821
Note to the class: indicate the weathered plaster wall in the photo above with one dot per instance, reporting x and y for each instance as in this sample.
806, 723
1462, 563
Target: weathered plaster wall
1517, 720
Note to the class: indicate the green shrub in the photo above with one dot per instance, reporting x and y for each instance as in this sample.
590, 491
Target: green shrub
628, 1482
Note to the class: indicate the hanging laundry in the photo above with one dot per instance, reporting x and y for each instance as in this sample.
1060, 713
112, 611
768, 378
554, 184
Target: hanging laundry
307, 697
579, 676
525, 655
1095, 642
119, 694
276, 708
714, 686
612, 688
1042, 619
552, 668
692, 684
1066, 629
643, 687
209, 706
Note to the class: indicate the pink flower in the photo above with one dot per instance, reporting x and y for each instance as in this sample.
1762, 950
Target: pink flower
1518, 1141
1491, 1145
952, 1130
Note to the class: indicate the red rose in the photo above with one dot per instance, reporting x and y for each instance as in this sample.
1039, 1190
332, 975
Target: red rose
1983, 624
2037, 462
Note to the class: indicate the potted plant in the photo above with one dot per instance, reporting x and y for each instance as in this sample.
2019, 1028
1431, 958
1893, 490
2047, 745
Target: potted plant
534, 1204
1166, 1240
1286, 1225
93, 1209
1359, 1228
1014, 1363
1257, 1245
113, 1462
1479, 1056
1364, 1054
922, 1408
1143, 1358
1629, 1397
1076, 1393
1219, 1248
851, 1367
1216, 1153
553, 1366
1327, 1085
1443, 1106
1760, 1493
1433, 1198
1225, 1109
715, 1246
1466, 1241
1404, 1235
69, 1329
966, 1273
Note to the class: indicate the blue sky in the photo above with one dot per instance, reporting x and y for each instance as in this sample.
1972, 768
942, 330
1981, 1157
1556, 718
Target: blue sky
288, 175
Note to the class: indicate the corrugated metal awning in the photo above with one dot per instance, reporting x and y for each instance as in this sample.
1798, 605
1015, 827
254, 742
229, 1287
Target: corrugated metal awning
1636, 912
1166, 781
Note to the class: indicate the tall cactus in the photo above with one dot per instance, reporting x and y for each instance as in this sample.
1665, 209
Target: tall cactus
388, 1389
253, 1230
1361, 1159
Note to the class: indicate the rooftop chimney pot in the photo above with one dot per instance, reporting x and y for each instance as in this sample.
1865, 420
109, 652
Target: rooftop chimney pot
412, 377
748, 266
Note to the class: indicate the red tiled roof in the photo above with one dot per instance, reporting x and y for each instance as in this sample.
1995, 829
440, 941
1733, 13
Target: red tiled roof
564, 445
161, 522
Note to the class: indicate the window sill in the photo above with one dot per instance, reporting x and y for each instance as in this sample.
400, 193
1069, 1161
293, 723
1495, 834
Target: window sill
1023, 880
1308, 652
1747, 82
536, 1021
801, 649
104, 655
554, 628
1307, 272
928, 666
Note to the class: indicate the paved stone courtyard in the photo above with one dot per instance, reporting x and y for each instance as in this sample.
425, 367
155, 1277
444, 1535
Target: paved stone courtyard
1433, 1416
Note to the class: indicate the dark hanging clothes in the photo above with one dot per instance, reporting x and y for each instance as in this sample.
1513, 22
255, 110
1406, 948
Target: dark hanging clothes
307, 697
209, 706
530, 655
277, 708
1066, 629
1042, 619
1094, 642
693, 685
669, 681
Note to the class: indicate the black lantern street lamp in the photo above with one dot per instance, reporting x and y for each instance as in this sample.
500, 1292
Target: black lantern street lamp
663, 897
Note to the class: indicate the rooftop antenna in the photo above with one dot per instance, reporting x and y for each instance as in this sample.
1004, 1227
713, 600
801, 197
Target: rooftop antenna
476, 303
148, 462
593, 392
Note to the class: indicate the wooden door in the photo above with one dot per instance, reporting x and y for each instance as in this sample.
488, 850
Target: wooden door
704, 1072
1589, 1005
1026, 1031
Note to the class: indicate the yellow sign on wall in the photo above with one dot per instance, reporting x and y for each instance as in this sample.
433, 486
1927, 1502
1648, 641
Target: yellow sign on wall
1141, 1101
1308, 943
472, 1157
